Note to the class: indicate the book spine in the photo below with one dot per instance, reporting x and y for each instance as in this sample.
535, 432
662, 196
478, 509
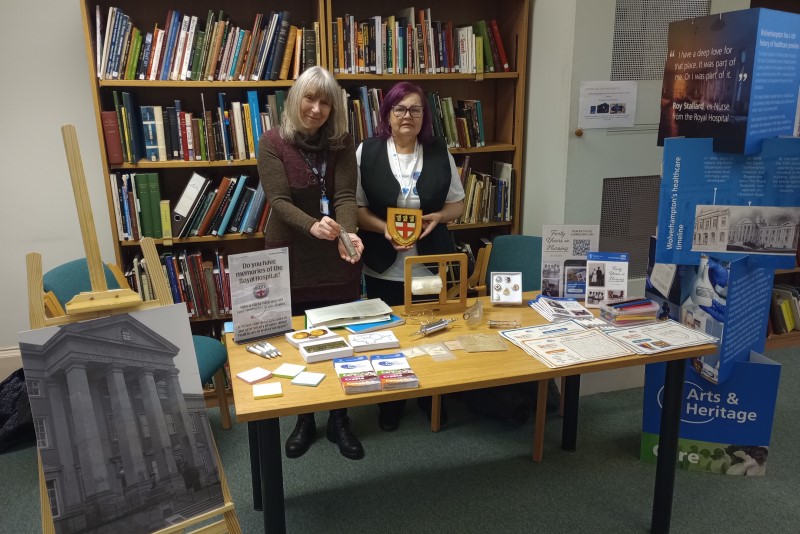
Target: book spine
112, 136
501, 51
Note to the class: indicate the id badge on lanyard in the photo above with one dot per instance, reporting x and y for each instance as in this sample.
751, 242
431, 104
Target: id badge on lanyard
324, 205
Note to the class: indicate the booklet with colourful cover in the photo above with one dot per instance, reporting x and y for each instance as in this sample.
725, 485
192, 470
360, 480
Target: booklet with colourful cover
356, 374
394, 372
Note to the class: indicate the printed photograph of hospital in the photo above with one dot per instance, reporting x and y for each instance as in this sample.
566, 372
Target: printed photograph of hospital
123, 447
752, 229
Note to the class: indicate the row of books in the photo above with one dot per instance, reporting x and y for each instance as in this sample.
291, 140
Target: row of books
487, 197
410, 42
202, 283
458, 122
230, 207
230, 131
785, 308
186, 49
361, 374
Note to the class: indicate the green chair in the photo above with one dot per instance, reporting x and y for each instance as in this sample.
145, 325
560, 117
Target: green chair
71, 278
517, 253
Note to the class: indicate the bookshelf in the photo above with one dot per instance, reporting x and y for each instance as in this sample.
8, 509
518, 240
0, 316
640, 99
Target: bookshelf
502, 94
790, 339
195, 96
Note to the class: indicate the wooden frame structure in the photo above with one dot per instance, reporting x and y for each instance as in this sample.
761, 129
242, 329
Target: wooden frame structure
102, 302
443, 303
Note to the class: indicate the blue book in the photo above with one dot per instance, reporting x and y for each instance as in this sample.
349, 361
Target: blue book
255, 118
232, 205
174, 30
224, 124
254, 213
149, 132
394, 320
173, 279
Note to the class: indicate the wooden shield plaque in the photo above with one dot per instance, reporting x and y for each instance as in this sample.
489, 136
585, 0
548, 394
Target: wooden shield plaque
404, 225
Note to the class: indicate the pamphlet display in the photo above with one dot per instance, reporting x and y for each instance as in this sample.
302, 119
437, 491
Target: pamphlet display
564, 250
260, 294
728, 300
725, 428
732, 76
729, 205
606, 276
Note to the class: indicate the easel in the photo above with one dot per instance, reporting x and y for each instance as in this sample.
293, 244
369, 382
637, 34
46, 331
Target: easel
102, 302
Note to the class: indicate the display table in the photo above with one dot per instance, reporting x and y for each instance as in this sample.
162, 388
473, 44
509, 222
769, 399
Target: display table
468, 371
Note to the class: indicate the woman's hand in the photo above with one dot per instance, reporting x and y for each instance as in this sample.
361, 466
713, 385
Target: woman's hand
398, 248
326, 228
359, 246
429, 222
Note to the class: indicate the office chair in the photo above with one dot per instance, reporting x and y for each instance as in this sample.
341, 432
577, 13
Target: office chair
71, 278
517, 253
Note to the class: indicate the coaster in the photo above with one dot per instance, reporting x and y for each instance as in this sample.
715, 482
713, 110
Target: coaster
254, 375
265, 391
307, 378
289, 370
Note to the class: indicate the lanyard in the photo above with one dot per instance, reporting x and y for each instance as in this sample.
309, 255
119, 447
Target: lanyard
407, 184
319, 175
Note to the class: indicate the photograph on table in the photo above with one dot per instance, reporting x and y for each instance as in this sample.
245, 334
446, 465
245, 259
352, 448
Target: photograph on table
121, 422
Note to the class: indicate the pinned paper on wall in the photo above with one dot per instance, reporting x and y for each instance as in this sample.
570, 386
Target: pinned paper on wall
607, 104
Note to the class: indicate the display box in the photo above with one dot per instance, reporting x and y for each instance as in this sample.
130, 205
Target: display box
326, 349
725, 428
732, 76
506, 287
728, 300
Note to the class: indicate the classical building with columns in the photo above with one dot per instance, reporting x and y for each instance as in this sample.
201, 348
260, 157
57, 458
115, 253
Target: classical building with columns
122, 447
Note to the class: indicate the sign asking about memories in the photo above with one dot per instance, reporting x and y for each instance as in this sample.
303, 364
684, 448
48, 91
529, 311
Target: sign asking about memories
260, 294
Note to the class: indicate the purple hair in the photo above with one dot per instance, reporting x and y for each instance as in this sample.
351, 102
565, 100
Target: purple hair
397, 93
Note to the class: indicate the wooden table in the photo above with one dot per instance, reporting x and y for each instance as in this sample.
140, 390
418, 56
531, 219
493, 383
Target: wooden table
468, 371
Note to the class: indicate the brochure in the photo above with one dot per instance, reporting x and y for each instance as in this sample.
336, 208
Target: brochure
606, 276
564, 249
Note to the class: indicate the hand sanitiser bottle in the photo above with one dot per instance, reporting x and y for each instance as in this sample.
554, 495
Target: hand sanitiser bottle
702, 291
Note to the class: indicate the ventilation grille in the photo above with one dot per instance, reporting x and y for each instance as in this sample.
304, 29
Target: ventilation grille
628, 218
640, 35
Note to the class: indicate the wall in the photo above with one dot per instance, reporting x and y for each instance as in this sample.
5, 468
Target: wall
45, 85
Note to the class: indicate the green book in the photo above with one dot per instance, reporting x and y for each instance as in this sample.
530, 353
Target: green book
155, 204
143, 205
481, 30
280, 97
199, 42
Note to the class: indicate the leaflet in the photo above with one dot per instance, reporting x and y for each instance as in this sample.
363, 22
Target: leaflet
575, 349
661, 336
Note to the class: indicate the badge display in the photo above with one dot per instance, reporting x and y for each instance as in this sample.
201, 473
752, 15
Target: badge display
404, 225
506, 288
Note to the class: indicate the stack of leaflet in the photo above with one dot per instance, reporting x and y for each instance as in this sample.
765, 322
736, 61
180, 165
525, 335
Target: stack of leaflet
660, 336
356, 375
556, 309
384, 339
394, 372
358, 312
628, 312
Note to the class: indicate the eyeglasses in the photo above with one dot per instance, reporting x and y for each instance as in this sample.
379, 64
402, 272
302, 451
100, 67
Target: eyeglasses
400, 111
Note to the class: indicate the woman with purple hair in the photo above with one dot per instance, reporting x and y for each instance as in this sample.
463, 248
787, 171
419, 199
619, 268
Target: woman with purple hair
405, 166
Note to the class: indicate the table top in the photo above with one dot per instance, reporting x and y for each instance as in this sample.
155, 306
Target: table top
467, 371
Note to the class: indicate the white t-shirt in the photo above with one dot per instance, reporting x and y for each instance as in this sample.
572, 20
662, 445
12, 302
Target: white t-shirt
407, 198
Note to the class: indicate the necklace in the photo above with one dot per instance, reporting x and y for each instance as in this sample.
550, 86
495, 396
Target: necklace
407, 180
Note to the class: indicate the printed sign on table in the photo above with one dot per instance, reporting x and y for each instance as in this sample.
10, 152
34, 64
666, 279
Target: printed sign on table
564, 250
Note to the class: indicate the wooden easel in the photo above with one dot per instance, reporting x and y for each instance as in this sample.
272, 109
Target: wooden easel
102, 302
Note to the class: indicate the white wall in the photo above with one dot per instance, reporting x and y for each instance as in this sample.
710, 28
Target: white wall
44, 85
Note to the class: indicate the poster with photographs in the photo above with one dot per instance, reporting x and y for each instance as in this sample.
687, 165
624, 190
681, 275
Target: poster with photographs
606, 277
730, 205
121, 422
564, 249
261, 298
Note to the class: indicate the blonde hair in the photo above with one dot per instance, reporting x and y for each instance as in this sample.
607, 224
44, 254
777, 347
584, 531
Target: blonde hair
316, 82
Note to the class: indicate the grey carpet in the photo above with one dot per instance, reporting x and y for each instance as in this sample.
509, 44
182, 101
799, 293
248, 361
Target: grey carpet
476, 476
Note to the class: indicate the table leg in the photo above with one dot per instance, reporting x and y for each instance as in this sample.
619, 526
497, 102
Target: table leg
269, 450
436, 412
255, 469
569, 429
541, 413
668, 446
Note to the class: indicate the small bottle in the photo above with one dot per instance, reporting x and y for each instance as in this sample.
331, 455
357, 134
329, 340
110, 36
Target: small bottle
702, 290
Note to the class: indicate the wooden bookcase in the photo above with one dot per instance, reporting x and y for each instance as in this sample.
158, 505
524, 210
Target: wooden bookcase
502, 94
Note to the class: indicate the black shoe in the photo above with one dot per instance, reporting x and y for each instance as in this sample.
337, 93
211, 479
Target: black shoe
339, 432
303, 435
425, 404
389, 415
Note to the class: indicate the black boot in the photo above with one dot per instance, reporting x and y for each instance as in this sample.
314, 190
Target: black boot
389, 414
339, 432
303, 435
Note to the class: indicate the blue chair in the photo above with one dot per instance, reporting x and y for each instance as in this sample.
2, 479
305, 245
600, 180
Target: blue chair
71, 278
517, 253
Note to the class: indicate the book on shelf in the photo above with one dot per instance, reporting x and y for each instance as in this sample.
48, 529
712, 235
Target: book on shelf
187, 202
112, 136
205, 224
232, 205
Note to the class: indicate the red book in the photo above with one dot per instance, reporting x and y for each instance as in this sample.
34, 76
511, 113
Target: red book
112, 136
500, 49
262, 222
212, 211
184, 140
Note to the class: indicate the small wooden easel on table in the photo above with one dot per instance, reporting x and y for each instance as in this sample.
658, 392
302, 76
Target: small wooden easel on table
102, 302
